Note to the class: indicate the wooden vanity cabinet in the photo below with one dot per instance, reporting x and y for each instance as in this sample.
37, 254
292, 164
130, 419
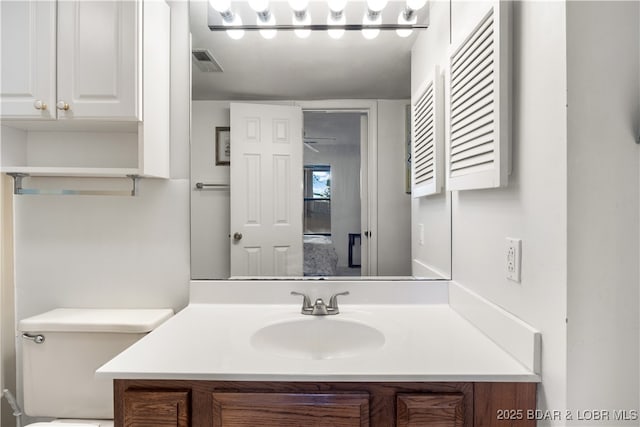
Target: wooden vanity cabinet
145, 403
159, 408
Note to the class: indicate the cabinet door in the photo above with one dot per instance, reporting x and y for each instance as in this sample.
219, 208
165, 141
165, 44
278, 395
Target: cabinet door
282, 409
430, 410
28, 46
156, 409
98, 63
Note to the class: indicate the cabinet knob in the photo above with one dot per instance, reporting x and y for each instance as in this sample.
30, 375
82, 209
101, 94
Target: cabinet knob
39, 105
61, 105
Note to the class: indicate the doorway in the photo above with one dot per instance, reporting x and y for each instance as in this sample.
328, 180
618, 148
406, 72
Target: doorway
332, 211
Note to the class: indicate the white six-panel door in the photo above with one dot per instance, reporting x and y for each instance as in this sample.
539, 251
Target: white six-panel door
266, 190
97, 66
28, 81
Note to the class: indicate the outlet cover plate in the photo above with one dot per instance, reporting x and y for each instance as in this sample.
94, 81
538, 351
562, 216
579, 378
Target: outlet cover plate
513, 259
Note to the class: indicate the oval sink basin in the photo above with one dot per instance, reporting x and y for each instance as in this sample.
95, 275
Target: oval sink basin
317, 338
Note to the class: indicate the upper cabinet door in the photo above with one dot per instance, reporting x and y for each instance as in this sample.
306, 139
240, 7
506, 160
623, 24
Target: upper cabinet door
98, 64
28, 38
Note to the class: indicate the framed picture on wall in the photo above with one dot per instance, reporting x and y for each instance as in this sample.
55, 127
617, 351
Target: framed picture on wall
223, 145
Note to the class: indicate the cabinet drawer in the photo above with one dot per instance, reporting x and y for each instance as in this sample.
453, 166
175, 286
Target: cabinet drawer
283, 409
430, 409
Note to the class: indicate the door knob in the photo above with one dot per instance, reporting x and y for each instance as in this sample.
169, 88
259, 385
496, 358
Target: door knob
61, 105
39, 105
237, 236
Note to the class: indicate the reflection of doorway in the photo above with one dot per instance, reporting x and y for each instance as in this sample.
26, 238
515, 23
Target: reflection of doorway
332, 209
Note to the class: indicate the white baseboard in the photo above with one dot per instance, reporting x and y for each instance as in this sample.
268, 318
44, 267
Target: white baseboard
422, 271
512, 334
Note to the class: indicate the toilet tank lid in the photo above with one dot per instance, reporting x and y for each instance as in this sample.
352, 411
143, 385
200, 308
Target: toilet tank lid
96, 320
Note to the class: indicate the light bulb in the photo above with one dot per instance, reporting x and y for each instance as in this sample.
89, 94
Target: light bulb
339, 32
376, 5
267, 34
371, 33
416, 4
234, 34
402, 20
306, 20
259, 5
337, 5
220, 5
299, 5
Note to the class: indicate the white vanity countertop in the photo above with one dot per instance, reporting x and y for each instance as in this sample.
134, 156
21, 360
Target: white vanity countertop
424, 342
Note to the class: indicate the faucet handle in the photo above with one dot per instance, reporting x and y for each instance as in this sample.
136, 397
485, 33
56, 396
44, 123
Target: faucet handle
333, 301
306, 301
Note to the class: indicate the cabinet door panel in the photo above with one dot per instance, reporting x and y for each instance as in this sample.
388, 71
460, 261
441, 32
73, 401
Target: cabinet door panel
432, 410
28, 49
98, 58
288, 410
156, 409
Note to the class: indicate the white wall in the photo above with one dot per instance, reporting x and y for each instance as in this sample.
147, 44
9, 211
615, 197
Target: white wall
394, 204
112, 251
573, 196
432, 213
210, 217
7, 301
210, 209
533, 206
603, 43
88, 251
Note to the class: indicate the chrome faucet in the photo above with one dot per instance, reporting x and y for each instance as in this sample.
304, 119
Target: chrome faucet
319, 308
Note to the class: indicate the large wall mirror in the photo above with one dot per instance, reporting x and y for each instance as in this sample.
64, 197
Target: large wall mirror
326, 195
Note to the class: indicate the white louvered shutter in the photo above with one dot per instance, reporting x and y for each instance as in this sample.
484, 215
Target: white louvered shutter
479, 125
427, 142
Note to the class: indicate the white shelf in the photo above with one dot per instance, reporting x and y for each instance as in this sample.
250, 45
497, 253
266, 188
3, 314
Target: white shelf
72, 171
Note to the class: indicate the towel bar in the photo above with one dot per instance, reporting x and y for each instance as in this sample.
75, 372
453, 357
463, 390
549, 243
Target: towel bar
19, 190
202, 185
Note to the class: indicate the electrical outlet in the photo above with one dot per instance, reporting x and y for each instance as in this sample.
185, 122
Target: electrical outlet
421, 234
514, 259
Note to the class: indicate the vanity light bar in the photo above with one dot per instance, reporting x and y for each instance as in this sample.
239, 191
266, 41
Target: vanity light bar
302, 21
323, 27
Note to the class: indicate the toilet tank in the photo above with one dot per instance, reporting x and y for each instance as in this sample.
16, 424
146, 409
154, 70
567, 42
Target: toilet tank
58, 374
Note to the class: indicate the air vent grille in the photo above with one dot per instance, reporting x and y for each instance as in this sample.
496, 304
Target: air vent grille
205, 61
427, 160
479, 105
473, 102
424, 137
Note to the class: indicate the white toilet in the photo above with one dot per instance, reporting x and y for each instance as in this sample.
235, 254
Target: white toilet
62, 349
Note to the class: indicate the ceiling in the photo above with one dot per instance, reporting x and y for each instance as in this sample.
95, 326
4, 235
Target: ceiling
288, 67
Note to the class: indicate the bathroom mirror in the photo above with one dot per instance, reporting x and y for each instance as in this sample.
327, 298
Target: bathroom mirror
352, 212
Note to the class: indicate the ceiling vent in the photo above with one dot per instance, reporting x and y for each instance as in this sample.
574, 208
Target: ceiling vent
205, 61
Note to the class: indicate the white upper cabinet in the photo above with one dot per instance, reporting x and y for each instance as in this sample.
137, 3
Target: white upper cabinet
28, 43
86, 87
97, 59
96, 46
